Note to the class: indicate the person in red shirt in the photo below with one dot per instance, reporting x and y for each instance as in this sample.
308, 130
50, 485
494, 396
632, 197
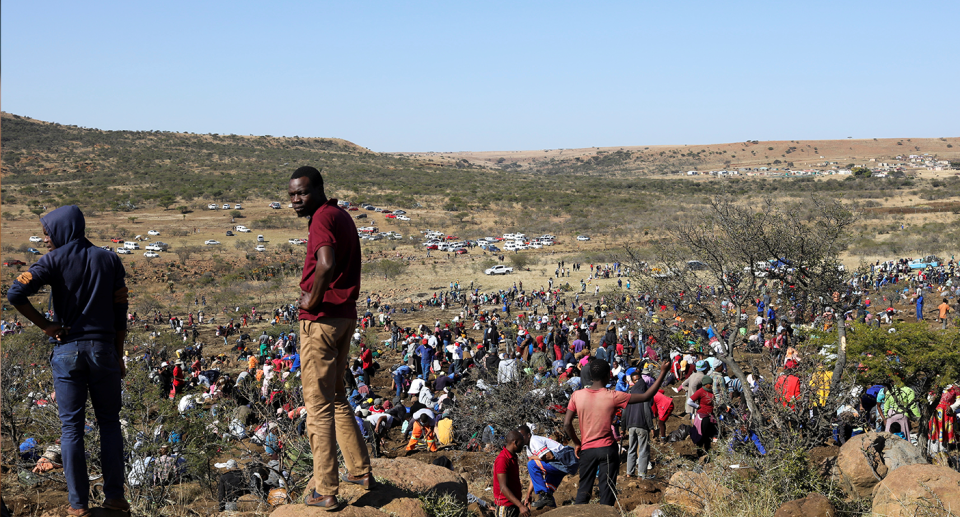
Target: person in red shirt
366, 363
703, 419
787, 389
329, 289
662, 408
594, 407
506, 479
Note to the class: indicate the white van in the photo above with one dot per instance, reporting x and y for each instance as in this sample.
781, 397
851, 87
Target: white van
131, 245
260, 238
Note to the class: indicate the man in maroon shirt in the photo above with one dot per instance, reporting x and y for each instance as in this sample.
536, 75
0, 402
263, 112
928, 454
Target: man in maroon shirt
328, 313
506, 479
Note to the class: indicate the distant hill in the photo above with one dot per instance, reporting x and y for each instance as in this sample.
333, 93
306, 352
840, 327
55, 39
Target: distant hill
671, 159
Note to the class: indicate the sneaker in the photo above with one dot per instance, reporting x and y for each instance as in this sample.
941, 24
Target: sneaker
366, 480
328, 503
545, 500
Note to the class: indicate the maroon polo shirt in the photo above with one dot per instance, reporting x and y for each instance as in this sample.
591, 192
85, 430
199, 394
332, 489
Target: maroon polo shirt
332, 226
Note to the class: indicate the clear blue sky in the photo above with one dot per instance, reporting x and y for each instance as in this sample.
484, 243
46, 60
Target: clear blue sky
452, 76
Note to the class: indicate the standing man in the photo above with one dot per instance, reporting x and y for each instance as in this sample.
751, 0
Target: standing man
637, 422
595, 406
506, 479
89, 325
329, 290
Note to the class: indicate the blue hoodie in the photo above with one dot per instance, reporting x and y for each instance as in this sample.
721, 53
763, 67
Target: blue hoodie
87, 283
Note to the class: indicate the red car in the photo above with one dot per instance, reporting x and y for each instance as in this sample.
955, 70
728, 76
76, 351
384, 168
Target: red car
452, 237
386, 212
117, 240
461, 251
353, 209
432, 247
390, 216
15, 262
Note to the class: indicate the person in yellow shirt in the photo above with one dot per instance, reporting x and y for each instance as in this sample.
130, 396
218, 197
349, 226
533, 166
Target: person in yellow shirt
944, 309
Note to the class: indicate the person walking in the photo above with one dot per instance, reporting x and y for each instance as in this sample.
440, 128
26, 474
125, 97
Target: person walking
329, 287
89, 295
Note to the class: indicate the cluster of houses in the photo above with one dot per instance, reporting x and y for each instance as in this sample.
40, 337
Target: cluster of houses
879, 169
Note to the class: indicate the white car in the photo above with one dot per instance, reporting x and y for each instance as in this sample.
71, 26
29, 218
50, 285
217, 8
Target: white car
212, 206
402, 218
237, 206
36, 239
226, 206
153, 232
261, 247
211, 242
124, 251
297, 242
499, 269
150, 254
583, 237
275, 205
243, 229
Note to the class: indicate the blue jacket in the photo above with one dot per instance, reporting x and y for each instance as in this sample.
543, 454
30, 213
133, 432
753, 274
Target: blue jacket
89, 294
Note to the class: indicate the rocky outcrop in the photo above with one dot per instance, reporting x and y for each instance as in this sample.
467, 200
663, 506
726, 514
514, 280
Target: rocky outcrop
919, 489
866, 459
814, 505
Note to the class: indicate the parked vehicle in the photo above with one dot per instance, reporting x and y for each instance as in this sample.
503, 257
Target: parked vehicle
361, 216
261, 247
402, 218
34, 238
243, 229
212, 206
153, 232
260, 238
117, 240
107, 248
400, 212
583, 237
130, 245
35, 251
211, 242
150, 254
229, 233
14, 262
124, 251
461, 251
390, 216
237, 207
499, 269
925, 262
275, 205
157, 246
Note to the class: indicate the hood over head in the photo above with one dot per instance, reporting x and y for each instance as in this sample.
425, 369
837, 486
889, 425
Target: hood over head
64, 225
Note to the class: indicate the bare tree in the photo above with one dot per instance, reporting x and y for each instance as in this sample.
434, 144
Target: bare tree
789, 251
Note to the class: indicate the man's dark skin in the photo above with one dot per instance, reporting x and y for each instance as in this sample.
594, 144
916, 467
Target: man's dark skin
599, 384
306, 199
57, 331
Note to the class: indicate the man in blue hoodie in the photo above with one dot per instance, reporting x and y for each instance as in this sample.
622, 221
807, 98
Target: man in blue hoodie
87, 332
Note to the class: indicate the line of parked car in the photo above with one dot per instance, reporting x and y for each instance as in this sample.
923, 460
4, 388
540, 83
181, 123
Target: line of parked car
226, 206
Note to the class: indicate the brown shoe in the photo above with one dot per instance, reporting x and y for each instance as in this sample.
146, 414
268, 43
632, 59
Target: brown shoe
329, 503
116, 504
366, 480
79, 512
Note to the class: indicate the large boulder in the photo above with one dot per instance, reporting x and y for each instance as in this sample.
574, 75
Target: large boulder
693, 491
814, 505
419, 477
300, 510
867, 458
909, 490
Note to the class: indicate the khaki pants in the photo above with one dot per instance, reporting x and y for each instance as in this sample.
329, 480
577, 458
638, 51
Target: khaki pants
324, 353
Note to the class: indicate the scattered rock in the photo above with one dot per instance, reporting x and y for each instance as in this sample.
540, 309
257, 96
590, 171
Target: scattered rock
583, 510
867, 458
646, 510
693, 491
911, 489
300, 510
814, 505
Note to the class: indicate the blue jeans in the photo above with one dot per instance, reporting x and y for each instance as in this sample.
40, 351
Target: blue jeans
79, 367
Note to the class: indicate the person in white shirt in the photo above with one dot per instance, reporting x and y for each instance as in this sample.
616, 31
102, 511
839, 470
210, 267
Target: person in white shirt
548, 462
416, 385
